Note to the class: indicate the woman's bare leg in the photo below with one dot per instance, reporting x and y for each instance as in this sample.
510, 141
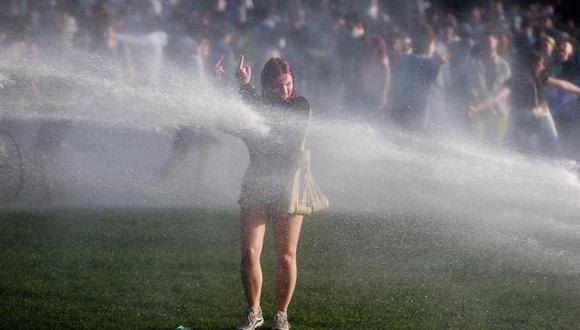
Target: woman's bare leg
286, 235
253, 225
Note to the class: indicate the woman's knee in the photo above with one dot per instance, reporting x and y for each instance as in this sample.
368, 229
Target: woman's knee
287, 258
250, 255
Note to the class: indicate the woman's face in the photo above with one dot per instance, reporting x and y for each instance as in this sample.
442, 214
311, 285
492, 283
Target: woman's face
397, 46
547, 48
282, 87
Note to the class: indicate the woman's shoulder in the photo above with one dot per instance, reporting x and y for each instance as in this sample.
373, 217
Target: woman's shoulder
249, 92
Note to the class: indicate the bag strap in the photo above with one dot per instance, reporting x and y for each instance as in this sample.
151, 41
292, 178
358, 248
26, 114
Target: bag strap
303, 145
536, 99
302, 154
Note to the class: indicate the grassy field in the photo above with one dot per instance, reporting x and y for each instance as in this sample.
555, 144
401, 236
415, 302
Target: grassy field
161, 268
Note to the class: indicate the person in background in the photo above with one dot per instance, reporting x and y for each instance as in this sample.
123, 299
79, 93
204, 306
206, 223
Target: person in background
456, 94
196, 56
352, 49
525, 40
364, 67
505, 48
564, 66
31, 91
412, 84
395, 51
487, 74
146, 51
532, 129
444, 99
547, 45
376, 73
221, 45
394, 48
94, 23
563, 105
68, 28
321, 32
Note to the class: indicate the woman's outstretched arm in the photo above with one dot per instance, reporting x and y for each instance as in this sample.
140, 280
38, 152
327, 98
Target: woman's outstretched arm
563, 85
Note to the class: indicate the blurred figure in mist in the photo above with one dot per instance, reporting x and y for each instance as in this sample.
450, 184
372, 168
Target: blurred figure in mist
54, 27
47, 144
364, 69
394, 49
44, 24
416, 74
93, 23
456, 95
116, 55
546, 46
34, 93
563, 105
221, 45
525, 39
505, 48
17, 88
498, 15
320, 36
193, 57
564, 66
487, 74
295, 39
146, 51
477, 22
446, 102
68, 29
376, 74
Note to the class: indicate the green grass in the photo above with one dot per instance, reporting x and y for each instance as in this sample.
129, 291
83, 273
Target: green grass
161, 268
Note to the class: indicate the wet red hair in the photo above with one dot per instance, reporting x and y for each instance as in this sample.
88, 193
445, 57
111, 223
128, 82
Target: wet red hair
274, 68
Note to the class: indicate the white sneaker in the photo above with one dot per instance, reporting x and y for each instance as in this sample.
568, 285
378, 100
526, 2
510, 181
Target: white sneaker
280, 321
252, 319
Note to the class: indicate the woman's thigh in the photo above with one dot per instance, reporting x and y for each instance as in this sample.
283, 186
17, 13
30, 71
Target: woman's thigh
253, 222
287, 233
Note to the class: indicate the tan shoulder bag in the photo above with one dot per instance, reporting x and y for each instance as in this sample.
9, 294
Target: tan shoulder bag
305, 197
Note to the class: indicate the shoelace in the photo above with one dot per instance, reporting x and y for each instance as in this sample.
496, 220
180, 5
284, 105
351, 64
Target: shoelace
280, 320
250, 318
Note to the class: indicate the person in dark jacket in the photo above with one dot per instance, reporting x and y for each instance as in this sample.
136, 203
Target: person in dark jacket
264, 190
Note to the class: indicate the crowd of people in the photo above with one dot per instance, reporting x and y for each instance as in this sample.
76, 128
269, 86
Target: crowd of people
503, 70
418, 64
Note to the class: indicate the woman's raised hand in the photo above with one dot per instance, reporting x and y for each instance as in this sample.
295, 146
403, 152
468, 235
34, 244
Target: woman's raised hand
471, 110
218, 69
244, 74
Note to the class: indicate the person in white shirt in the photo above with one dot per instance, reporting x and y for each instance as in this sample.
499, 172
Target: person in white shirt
146, 52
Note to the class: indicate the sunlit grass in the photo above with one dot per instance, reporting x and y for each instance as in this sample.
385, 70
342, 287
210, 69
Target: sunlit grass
161, 268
